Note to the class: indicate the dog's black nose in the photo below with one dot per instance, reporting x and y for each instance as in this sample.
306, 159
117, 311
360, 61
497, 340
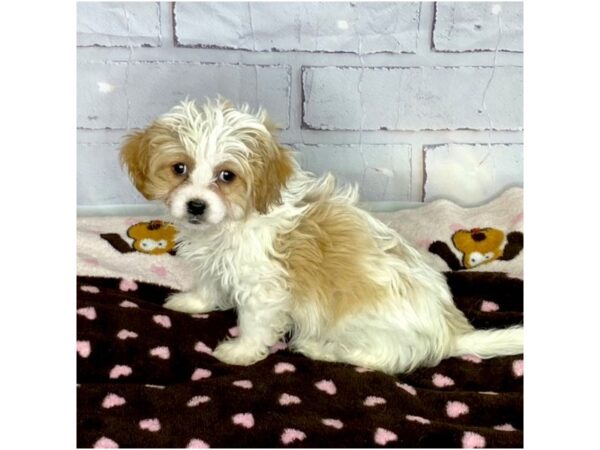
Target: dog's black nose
196, 207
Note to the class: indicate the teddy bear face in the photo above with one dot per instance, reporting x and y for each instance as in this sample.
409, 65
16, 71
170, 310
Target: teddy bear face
155, 237
479, 245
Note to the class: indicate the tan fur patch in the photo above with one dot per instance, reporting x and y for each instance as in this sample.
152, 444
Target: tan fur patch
326, 257
149, 157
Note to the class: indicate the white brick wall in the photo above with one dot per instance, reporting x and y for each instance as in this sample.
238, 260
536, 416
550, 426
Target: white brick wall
412, 101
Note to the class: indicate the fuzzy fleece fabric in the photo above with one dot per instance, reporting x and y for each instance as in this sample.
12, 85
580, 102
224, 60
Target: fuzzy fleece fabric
146, 377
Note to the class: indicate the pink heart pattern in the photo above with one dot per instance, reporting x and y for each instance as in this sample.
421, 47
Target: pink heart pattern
244, 384
198, 399
105, 442
407, 387
111, 400
126, 334
160, 271
128, 304
326, 386
383, 436
161, 352
120, 371
87, 312
152, 425
245, 420
90, 289
128, 285
441, 381
372, 400
283, 367
473, 440
517, 367
290, 435
487, 306
203, 348
234, 331
334, 423
287, 399
455, 409
84, 348
197, 443
162, 320
200, 374
471, 358
278, 346
418, 419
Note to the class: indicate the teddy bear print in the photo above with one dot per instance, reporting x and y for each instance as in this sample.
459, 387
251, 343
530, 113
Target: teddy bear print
154, 237
479, 246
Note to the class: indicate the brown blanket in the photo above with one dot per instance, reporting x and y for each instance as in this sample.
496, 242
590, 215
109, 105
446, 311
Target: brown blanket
146, 379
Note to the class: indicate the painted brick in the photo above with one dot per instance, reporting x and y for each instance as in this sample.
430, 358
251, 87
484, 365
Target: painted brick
130, 95
472, 174
413, 98
362, 27
381, 170
471, 26
118, 24
100, 178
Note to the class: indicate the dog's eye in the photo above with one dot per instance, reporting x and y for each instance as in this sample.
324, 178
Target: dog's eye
226, 176
180, 169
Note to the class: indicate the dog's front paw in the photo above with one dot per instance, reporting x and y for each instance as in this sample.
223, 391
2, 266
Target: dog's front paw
239, 352
188, 302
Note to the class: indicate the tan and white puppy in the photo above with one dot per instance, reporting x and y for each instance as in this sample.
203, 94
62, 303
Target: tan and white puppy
292, 252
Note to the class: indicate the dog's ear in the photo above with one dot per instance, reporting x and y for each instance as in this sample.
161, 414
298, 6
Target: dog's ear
272, 165
135, 156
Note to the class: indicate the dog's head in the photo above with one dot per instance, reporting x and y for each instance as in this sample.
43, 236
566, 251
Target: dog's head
209, 164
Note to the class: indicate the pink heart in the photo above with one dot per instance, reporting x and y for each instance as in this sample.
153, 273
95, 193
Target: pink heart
90, 289
335, 423
278, 346
128, 285
159, 271
199, 374
471, 358
202, 348
473, 440
91, 261
487, 306
283, 367
287, 399
418, 419
200, 316
383, 436
245, 420
505, 427
517, 367
105, 442
163, 321
407, 387
83, 348
290, 435
150, 424
244, 384
112, 400
326, 386
440, 380
88, 312
196, 400
372, 400
120, 371
363, 369
234, 331
128, 304
124, 334
161, 352
456, 409
197, 443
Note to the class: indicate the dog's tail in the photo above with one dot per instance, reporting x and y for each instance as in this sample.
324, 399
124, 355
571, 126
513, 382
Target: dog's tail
490, 343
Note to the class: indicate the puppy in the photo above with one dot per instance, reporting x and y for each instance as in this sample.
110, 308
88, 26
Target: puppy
292, 252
